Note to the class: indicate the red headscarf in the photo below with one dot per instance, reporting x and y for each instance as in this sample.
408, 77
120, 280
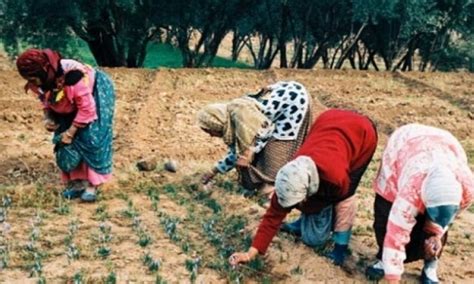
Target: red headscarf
41, 63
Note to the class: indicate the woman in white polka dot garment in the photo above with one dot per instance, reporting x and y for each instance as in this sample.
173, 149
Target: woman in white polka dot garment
287, 106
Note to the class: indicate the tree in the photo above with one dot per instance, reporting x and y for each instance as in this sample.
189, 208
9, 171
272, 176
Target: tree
116, 31
199, 26
316, 27
263, 23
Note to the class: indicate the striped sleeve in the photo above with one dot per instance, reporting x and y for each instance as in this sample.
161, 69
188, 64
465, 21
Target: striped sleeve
400, 224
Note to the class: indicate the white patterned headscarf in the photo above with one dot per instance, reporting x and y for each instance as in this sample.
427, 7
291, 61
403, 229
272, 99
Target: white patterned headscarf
441, 195
441, 188
296, 181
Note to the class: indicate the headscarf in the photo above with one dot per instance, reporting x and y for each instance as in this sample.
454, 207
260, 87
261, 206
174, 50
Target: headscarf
41, 63
239, 121
214, 117
296, 180
441, 195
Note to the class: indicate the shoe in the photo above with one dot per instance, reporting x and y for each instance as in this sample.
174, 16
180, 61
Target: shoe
74, 189
293, 228
70, 193
425, 280
375, 272
88, 196
338, 254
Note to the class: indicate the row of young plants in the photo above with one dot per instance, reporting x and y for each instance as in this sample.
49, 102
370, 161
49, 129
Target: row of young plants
32, 249
144, 238
225, 233
169, 225
5, 228
102, 239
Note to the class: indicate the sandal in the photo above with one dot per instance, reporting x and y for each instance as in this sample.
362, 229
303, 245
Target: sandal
89, 195
74, 189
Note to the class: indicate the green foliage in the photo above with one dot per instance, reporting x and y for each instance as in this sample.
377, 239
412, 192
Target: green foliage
103, 251
192, 265
102, 239
78, 278
189, 33
152, 264
111, 278
160, 280
62, 207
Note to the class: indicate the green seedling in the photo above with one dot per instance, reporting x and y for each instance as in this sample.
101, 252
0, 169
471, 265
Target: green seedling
170, 226
103, 251
62, 207
152, 264
6, 202
72, 252
111, 278
37, 267
101, 212
160, 280
3, 214
78, 278
41, 280
130, 212
143, 238
171, 190
192, 265
185, 246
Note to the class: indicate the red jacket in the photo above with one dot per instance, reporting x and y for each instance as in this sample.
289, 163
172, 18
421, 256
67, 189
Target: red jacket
339, 143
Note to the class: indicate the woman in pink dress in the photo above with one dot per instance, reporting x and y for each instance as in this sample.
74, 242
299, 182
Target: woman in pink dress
424, 181
78, 103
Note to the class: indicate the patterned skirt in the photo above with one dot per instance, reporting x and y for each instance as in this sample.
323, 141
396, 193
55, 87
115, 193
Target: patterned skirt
93, 143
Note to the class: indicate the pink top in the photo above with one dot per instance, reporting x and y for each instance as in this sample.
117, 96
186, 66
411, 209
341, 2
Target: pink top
411, 153
77, 97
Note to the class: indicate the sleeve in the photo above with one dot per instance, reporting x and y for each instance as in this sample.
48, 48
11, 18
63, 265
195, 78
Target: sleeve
345, 214
269, 225
260, 143
399, 226
83, 99
228, 162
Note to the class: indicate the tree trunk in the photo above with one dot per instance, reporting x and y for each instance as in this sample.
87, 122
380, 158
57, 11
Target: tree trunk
370, 60
297, 54
238, 43
104, 50
313, 60
282, 37
339, 47
346, 53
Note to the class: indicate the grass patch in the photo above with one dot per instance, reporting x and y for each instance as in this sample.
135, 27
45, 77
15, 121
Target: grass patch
158, 55
166, 55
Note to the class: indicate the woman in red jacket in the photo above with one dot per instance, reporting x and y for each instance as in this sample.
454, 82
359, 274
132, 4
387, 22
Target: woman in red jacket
320, 182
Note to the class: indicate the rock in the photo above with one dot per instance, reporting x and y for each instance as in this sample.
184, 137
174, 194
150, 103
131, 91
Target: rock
171, 166
471, 115
147, 164
450, 112
10, 118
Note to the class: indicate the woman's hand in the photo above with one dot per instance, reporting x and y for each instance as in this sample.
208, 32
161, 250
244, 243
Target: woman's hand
245, 159
243, 257
68, 135
50, 125
433, 247
208, 176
